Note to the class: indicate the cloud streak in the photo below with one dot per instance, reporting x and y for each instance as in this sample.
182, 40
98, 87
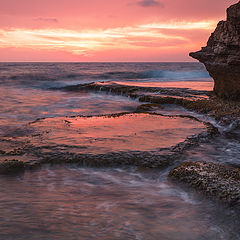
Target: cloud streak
150, 3
151, 36
42, 19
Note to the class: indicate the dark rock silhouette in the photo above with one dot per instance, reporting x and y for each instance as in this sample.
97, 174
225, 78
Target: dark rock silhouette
221, 56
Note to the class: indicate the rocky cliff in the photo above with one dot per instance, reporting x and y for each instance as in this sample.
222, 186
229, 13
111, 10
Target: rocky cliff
221, 56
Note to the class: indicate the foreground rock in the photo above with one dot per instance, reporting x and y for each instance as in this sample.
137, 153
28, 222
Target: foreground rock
12, 166
221, 56
213, 179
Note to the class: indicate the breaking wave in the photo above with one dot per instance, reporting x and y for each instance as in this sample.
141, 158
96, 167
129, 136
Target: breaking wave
177, 75
157, 74
47, 76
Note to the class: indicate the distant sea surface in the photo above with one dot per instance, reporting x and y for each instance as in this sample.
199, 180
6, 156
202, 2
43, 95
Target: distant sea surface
73, 202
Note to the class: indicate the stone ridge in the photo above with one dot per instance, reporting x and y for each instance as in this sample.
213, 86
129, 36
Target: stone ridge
221, 56
215, 180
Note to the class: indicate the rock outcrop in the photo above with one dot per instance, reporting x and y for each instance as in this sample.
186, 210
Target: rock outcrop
221, 56
215, 180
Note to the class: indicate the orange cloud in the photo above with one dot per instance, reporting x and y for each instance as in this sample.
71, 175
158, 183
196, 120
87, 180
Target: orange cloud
90, 41
95, 30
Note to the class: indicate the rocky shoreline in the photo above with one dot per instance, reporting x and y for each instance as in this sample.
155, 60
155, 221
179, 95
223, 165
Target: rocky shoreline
214, 180
210, 178
34, 150
224, 111
30, 148
202, 175
221, 56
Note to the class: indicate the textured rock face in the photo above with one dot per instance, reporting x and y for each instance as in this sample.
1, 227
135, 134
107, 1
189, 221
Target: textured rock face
215, 180
221, 56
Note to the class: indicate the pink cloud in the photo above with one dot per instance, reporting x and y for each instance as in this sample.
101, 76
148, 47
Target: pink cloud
98, 16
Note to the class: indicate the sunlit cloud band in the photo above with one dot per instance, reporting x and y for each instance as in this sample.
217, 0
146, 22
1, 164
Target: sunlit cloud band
84, 42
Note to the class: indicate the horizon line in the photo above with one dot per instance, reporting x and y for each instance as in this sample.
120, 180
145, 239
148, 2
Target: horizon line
99, 62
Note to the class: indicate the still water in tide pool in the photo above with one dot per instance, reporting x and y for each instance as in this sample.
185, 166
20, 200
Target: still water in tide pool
67, 202
104, 134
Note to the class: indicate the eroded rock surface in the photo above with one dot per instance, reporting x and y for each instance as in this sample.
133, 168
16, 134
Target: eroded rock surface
213, 179
139, 139
221, 56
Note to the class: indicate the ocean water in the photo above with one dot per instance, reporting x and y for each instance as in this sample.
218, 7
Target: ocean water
77, 202
26, 89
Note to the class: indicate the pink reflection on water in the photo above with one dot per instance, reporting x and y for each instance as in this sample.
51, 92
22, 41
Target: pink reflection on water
19, 106
194, 85
120, 133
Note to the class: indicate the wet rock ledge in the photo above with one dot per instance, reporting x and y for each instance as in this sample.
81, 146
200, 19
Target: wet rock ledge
215, 180
146, 140
221, 56
223, 110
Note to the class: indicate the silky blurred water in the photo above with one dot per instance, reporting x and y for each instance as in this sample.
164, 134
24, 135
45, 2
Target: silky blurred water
83, 203
68, 202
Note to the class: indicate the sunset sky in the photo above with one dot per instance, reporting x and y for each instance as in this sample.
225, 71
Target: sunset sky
106, 30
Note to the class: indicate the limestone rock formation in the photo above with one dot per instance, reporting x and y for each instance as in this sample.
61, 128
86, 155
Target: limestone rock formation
221, 56
215, 180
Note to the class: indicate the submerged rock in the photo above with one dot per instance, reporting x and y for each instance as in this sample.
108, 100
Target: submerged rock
11, 166
213, 179
221, 56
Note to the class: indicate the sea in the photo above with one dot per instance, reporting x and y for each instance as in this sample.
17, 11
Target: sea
71, 201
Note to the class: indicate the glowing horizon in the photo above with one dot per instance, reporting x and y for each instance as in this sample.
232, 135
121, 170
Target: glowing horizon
144, 39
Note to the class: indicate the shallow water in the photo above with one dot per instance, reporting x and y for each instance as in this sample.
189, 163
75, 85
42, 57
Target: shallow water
20, 106
224, 149
82, 203
113, 133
